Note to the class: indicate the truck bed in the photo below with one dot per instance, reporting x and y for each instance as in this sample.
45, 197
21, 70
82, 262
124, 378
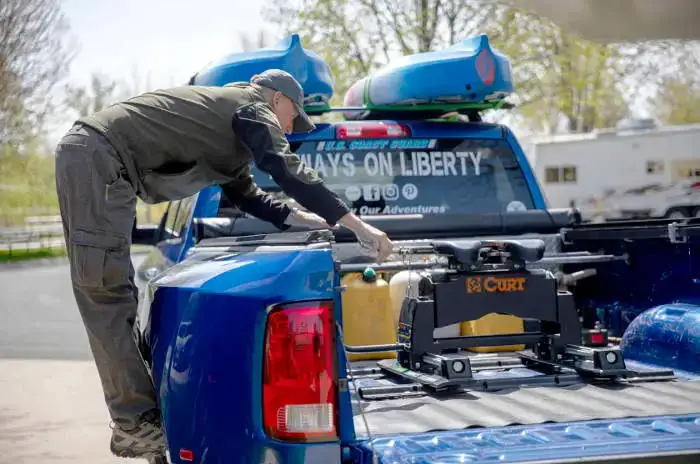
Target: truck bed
516, 406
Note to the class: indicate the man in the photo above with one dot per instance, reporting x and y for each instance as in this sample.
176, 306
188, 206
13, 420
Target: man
167, 145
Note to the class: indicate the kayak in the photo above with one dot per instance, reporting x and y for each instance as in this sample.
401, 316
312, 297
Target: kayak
312, 72
468, 74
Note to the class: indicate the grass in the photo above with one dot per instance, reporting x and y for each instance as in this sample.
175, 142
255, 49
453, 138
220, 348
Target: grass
19, 254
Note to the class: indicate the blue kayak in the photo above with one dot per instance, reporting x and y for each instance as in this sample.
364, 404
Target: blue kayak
312, 72
467, 73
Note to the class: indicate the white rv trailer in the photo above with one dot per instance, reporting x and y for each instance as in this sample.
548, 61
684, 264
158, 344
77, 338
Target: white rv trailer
637, 170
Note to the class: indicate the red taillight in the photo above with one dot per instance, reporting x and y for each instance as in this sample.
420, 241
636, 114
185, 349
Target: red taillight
186, 455
299, 373
371, 130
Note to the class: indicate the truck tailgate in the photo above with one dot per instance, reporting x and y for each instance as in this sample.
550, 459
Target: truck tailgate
619, 441
527, 424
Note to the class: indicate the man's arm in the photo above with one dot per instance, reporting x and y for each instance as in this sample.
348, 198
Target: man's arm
257, 127
249, 198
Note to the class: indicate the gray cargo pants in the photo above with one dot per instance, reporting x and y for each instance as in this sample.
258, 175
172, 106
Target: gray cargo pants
98, 208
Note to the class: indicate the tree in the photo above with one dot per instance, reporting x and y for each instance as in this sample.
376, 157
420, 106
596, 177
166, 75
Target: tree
34, 57
137, 84
560, 79
678, 99
103, 90
678, 102
27, 183
356, 37
87, 100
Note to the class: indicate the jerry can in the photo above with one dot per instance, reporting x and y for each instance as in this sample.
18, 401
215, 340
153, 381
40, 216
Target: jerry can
368, 318
403, 285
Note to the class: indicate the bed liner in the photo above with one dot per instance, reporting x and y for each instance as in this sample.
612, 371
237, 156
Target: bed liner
519, 406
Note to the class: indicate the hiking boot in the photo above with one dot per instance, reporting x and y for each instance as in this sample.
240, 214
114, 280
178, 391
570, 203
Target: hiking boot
146, 439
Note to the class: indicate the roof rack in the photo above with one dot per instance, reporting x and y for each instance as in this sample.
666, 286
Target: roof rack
473, 111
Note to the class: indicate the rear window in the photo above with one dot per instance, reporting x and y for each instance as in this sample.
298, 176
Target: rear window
417, 176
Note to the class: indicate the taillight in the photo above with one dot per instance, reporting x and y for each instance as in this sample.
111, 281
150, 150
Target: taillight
299, 372
371, 130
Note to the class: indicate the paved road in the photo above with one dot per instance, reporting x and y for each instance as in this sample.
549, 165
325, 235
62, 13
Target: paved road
51, 406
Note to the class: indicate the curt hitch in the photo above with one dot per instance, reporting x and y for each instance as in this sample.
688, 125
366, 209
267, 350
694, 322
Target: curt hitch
481, 278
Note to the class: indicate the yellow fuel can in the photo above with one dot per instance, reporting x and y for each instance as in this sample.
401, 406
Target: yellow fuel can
494, 324
368, 317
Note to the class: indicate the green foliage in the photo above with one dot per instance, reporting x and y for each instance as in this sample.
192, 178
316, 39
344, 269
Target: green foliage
559, 77
34, 57
678, 100
562, 81
357, 36
20, 254
27, 182
28, 186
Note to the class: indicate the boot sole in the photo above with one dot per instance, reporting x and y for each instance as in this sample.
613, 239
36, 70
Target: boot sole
129, 453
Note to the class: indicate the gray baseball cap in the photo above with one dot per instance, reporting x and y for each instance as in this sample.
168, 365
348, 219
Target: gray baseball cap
282, 81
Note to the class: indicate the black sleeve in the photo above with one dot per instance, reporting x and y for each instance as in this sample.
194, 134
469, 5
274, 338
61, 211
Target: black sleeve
257, 127
244, 193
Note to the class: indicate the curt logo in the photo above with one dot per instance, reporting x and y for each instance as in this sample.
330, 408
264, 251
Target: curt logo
495, 284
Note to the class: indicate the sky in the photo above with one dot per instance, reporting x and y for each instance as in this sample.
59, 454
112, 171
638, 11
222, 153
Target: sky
166, 40
171, 39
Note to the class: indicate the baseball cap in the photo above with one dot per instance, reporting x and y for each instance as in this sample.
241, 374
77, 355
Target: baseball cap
282, 81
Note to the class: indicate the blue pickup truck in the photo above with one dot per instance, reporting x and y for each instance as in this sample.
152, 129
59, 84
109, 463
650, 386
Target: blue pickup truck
245, 328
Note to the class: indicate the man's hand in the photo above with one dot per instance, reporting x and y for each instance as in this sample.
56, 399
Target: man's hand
375, 241
299, 218
370, 238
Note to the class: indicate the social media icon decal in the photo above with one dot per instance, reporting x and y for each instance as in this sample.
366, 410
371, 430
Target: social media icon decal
372, 192
390, 192
409, 192
353, 193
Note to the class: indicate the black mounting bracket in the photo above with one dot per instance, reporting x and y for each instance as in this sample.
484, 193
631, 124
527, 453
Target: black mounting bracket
526, 294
